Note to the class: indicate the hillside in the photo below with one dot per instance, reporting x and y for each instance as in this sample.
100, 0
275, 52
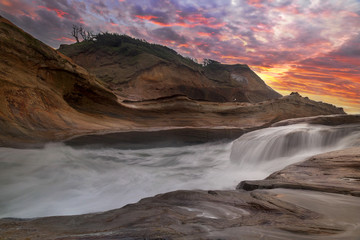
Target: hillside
45, 96
137, 70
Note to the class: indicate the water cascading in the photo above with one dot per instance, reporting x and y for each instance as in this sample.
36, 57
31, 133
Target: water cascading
291, 142
62, 180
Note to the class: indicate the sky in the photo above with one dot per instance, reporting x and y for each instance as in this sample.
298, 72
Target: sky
308, 46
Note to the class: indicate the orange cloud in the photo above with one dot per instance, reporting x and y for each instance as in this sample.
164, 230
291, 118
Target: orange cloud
6, 3
59, 12
336, 86
185, 45
190, 21
148, 17
66, 39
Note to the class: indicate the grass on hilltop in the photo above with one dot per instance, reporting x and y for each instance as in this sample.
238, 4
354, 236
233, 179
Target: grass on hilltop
127, 46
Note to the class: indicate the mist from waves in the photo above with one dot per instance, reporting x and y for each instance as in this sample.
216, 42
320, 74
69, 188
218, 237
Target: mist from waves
62, 180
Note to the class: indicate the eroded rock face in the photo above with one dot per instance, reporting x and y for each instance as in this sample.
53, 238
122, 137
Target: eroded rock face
334, 172
294, 213
145, 76
246, 115
44, 96
188, 215
330, 120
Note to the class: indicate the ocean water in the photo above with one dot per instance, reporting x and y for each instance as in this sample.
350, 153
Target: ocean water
64, 180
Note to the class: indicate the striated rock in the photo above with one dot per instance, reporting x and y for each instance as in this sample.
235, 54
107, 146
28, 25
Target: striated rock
187, 121
44, 96
244, 115
198, 215
330, 120
139, 71
334, 172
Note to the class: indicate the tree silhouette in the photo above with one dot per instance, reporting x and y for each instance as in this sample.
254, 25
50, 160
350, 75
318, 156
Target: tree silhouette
80, 31
75, 32
210, 62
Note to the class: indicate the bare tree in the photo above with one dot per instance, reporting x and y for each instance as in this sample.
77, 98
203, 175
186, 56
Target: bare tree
82, 32
79, 31
86, 35
90, 35
75, 32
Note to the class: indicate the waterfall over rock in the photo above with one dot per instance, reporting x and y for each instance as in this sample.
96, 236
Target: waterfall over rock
301, 139
65, 180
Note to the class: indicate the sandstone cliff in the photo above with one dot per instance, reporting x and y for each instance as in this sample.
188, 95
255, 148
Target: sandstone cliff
44, 96
138, 70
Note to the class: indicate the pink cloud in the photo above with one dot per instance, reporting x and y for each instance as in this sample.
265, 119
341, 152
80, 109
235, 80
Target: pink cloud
66, 39
268, 35
58, 12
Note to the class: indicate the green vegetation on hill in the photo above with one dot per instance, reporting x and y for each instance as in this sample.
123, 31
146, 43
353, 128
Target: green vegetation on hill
117, 44
137, 54
138, 70
215, 71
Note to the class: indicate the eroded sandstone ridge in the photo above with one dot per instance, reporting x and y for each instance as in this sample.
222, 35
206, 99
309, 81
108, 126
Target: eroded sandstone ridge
139, 71
45, 96
42, 92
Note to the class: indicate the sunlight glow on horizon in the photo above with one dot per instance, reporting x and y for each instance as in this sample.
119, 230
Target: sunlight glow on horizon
295, 46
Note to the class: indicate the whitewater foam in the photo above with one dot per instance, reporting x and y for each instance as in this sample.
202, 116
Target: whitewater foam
62, 180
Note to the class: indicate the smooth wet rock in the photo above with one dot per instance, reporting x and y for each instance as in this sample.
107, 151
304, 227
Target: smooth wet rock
334, 172
184, 215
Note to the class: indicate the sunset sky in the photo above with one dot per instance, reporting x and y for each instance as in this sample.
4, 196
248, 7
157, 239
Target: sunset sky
308, 46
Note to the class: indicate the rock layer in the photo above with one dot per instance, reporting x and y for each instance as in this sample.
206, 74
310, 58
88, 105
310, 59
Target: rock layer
334, 172
44, 96
330, 120
136, 72
186, 215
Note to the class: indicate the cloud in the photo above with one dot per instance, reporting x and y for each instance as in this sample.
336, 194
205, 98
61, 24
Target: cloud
335, 74
305, 45
62, 8
59, 12
168, 34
